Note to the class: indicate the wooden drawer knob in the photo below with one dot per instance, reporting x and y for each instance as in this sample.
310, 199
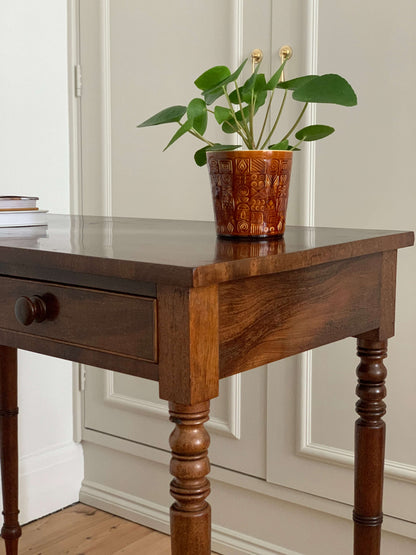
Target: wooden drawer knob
30, 309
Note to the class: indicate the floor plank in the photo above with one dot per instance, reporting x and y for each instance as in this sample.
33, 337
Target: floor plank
84, 530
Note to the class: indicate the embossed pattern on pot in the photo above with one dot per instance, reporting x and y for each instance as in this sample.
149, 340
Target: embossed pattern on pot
250, 192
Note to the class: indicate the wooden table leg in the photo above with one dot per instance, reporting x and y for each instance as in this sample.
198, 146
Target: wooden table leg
369, 447
11, 530
190, 515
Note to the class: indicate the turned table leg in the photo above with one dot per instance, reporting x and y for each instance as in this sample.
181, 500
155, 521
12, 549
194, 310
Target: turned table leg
11, 530
369, 447
190, 514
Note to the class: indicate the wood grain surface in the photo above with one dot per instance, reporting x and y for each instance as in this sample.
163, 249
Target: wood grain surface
370, 434
11, 530
188, 344
109, 322
271, 317
175, 252
83, 529
190, 514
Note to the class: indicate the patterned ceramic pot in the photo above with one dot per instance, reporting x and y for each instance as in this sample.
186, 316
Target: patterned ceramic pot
250, 191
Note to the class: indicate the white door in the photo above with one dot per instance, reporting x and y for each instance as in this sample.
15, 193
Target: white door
282, 434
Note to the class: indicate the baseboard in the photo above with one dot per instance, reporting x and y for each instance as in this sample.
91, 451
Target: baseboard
224, 540
49, 480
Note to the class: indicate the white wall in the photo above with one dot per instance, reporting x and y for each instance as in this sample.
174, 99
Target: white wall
34, 160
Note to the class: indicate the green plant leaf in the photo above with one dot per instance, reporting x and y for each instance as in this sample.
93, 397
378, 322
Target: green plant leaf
274, 79
314, 132
197, 113
212, 77
229, 126
168, 115
245, 94
212, 94
248, 88
219, 146
234, 96
260, 92
294, 84
329, 88
234, 76
200, 155
260, 85
260, 99
181, 131
246, 111
222, 114
283, 145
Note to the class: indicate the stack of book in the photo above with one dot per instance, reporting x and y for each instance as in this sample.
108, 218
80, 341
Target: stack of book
17, 211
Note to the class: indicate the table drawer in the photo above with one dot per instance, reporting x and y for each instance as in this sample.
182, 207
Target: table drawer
109, 322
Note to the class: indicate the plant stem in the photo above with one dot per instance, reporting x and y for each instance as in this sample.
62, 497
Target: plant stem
195, 133
252, 120
240, 129
296, 122
243, 117
269, 136
199, 136
296, 145
265, 119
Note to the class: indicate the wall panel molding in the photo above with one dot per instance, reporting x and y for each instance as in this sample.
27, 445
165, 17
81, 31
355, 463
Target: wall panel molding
311, 58
156, 516
107, 185
327, 453
230, 427
246, 482
238, 31
75, 154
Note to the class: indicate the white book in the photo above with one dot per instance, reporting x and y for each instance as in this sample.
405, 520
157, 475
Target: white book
13, 202
20, 218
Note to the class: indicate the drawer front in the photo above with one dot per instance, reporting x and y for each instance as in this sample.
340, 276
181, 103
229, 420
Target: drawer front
108, 322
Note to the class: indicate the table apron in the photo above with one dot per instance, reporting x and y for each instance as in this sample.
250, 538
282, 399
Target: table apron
267, 318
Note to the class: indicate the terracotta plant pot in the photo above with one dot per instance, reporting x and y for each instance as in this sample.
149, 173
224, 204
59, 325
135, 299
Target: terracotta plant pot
250, 191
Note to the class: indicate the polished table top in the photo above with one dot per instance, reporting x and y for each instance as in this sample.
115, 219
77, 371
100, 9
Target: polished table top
186, 253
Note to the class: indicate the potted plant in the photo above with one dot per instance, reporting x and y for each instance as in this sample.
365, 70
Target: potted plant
250, 186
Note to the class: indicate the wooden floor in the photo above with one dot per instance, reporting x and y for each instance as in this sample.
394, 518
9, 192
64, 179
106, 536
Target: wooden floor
80, 530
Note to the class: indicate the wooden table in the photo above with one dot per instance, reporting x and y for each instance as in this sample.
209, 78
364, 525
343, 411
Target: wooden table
168, 301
